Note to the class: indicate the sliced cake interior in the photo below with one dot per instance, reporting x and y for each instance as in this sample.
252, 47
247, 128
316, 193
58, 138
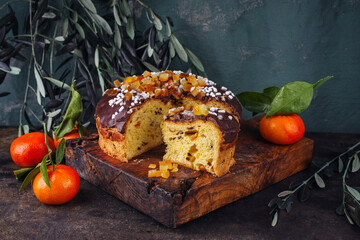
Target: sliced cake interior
202, 142
143, 130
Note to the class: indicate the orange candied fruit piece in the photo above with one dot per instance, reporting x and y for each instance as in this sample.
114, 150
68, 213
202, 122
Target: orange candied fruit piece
195, 91
187, 87
164, 92
163, 77
146, 74
184, 75
154, 173
128, 96
135, 85
175, 167
176, 77
191, 79
170, 73
167, 164
201, 82
111, 92
176, 93
165, 174
152, 165
201, 94
200, 110
171, 84
117, 83
128, 80
158, 92
154, 77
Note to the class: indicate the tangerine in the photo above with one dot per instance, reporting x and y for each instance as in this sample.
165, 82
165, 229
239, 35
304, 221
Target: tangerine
64, 182
29, 149
282, 129
73, 134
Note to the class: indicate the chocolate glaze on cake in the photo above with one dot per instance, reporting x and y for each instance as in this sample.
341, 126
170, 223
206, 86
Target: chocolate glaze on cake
114, 111
224, 121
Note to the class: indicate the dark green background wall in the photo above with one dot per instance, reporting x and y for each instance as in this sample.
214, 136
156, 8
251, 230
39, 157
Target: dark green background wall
248, 45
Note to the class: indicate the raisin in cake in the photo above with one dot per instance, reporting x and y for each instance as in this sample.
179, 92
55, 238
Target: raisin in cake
128, 116
200, 138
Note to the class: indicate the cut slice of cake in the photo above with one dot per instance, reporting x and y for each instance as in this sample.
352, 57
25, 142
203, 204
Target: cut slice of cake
128, 116
200, 138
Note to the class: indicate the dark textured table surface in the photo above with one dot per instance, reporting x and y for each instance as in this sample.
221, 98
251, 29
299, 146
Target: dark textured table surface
93, 214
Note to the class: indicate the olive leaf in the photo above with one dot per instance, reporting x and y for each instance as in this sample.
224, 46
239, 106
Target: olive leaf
80, 30
355, 163
151, 67
195, 60
117, 41
285, 193
274, 219
348, 217
353, 192
72, 114
167, 28
39, 82
179, 48
125, 8
59, 83
340, 165
130, 28
319, 181
89, 5
100, 21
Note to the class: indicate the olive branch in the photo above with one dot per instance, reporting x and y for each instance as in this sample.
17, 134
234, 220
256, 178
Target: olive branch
350, 205
93, 42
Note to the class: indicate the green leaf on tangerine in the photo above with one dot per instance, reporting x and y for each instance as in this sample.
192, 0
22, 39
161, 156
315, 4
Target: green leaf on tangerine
60, 151
254, 101
72, 114
43, 170
294, 97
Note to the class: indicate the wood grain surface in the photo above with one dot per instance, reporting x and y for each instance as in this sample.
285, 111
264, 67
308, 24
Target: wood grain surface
188, 194
94, 214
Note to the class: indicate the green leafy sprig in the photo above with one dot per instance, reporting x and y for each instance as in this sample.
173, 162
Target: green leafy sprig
294, 97
75, 40
350, 207
72, 116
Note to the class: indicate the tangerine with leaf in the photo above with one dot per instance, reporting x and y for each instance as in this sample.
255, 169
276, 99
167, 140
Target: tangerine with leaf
29, 149
64, 184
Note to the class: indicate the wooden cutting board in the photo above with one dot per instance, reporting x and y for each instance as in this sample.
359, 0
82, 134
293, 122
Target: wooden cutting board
188, 194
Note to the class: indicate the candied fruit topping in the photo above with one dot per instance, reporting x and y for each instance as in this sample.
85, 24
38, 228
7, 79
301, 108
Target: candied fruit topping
163, 77
128, 96
129, 80
152, 165
147, 74
111, 92
200, 110
176, 77
117, 83
164, 167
